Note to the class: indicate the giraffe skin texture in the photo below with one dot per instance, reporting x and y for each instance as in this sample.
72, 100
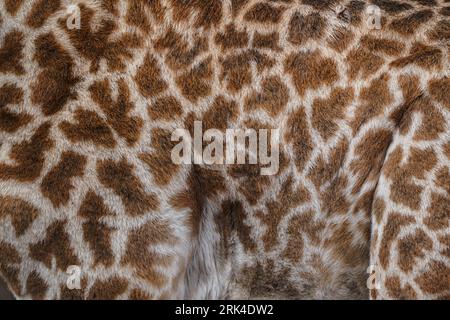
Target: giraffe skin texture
87, 180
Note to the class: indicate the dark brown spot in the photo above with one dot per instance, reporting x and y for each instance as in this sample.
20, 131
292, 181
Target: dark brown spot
90, 127
41, 11
411, 24
273, 97
148, 78
196, 83
230, 220
412, 247
165, 108
108, 289
263, 13
326, 112
96, 233
54, 85
394, 224
299, 135
11, 53
266, 41
139, 255
57, 184
160, 161
11, 121
309, 70
9, 269
96, 45
12, 6
439, 90
436, 279
209, 12
57, 245
36, 286
117, 112
29, 156
302, 28
439, 212
119, 176
21, 212
231, 38
424, 56
397, 291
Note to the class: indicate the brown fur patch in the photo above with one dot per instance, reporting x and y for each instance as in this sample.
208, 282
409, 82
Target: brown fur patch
411, 247
148, 78
36, 286
180, 52
9, 258
327, 111
54, 85
443, 179
202, 185
324, 170
266, 41
299, 135
288, 198
230, 220
96, 233
11, 121
108, 289
374, 99
165, 108
302, 28
41, 11
436, 279
117, 112
231, 38
209, 12
363, 63
302, 227
340, 39
344, 249
379, 207
56, 245
394, 224
12, 6
11, 53
380, 45
139, 256
57, 184
439, 90
273, 97
439, 212
427, 57
441, 31
264, 13
29, 156
195, 83
119, 176
392, 7
397, 291
95, 45
309, 70
90, 127
220, 114
21, 212
410, 24
159, 161
236, 68
369, 156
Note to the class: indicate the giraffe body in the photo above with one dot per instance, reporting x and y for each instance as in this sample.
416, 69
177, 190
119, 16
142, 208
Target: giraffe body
86, 175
